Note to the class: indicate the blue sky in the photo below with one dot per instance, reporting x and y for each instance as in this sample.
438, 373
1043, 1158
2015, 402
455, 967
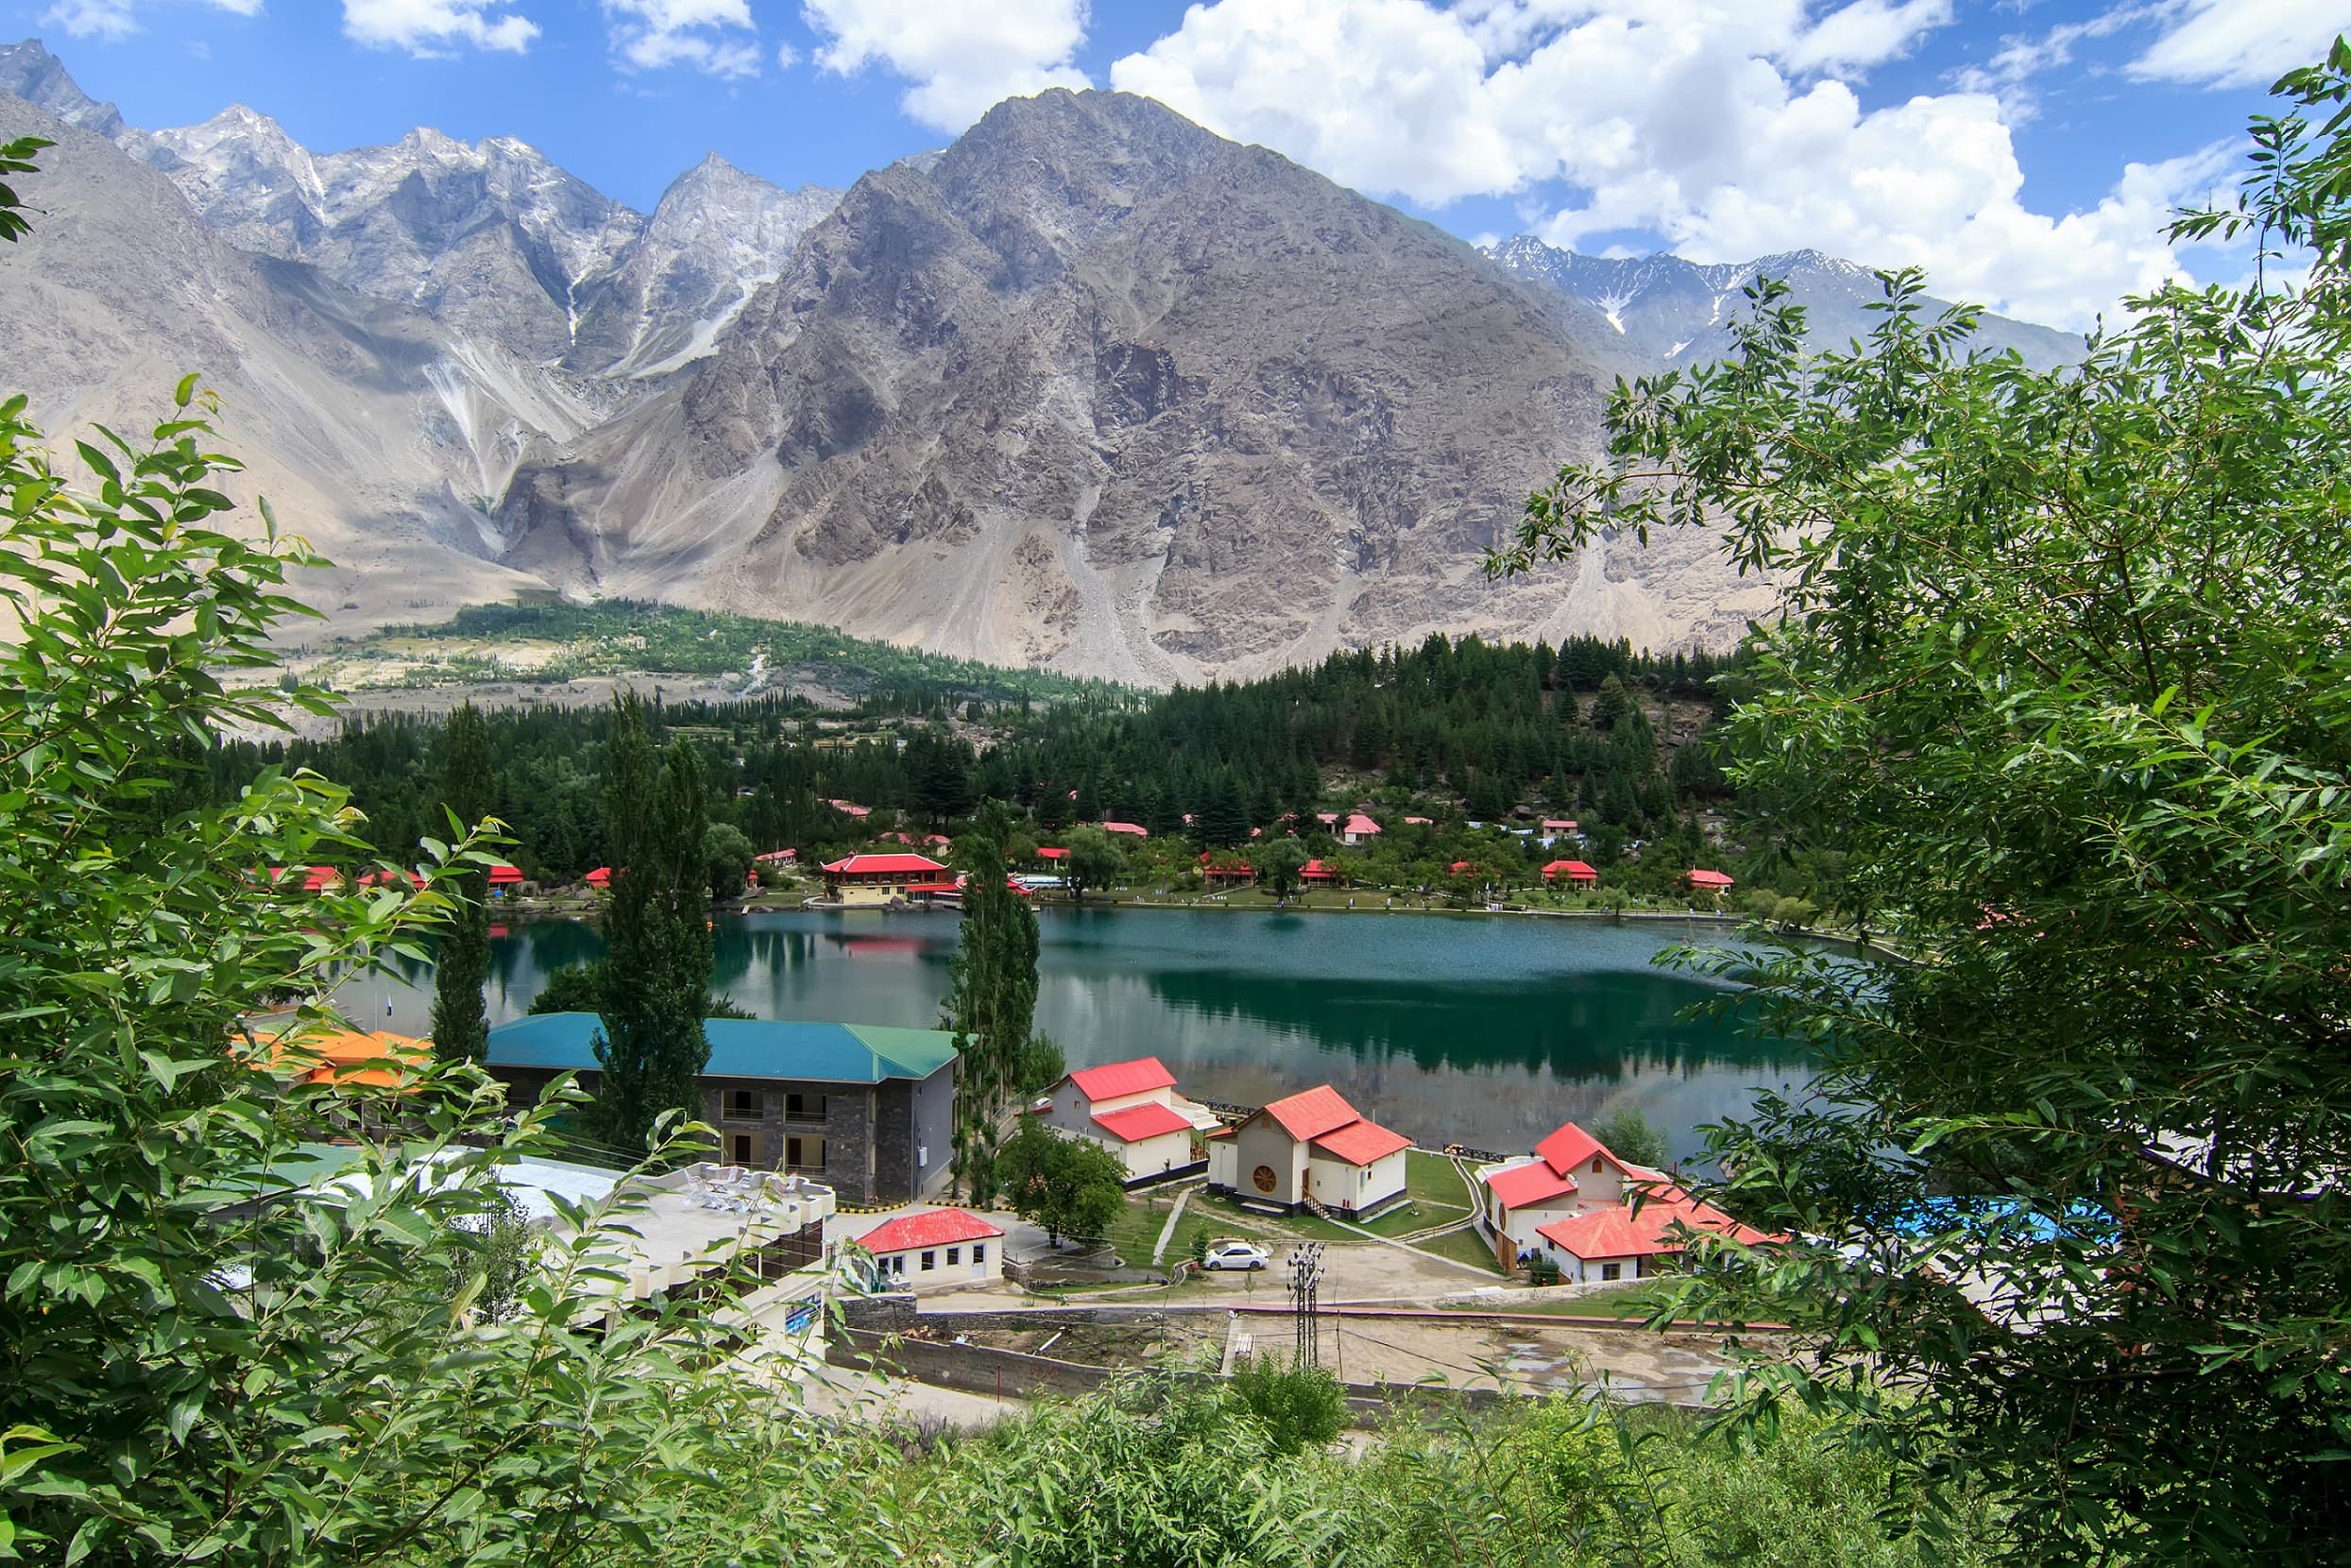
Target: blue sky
2025, 151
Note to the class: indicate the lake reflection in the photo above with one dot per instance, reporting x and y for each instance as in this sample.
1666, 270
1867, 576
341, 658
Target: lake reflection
1484, 1032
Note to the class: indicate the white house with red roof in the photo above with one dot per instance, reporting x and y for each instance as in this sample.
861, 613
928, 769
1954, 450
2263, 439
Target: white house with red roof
1634, 1239
1359, 829
1598, 1217
1131, 1109
936, 1250
1310, 1147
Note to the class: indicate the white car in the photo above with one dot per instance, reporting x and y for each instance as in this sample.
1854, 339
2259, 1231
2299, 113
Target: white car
1236, 1254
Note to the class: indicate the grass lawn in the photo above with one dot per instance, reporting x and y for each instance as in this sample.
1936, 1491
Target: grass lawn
1415, 1216
1146, 1213
1466, 1246
1431, 1179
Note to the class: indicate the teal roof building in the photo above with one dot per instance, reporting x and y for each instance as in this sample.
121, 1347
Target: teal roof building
865, 1108
742, 1047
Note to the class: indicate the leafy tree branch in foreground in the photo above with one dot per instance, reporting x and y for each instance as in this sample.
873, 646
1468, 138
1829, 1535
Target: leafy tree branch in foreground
2064, 668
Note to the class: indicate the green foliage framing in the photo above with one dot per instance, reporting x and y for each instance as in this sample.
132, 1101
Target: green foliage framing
187, 1374
2064, 667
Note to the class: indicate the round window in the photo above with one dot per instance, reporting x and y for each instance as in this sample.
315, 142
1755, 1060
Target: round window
1263, 1177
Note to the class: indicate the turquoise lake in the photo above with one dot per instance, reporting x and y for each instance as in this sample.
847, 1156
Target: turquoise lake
1487, 1031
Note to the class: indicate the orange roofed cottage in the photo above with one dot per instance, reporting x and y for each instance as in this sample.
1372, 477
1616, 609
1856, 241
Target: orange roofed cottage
1573, 873
1310, 1150
1706, 884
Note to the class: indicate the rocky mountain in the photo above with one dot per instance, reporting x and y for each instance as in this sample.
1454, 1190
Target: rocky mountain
1681, 311
333, 400
716, 235
1099, 389
30, 71
1090, 387
492, 237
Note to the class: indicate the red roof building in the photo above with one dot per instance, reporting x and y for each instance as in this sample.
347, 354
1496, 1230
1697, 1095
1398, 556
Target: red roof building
1049, 853
1462, 868
850, 808
1131, 1109
1527, 1186
601, 878
1117, 1079
936, 1228
1622, 1242
1359, 829
880, 879
1315, 871
1575, 871
504, 876
1559, 824
1311, 1145
388, 878
1230, 874
776, 857
1149, 1119
1133, 830
944, 1248
1713, 882
1308, 1114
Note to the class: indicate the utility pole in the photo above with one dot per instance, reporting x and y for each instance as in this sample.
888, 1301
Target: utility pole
1305, 1277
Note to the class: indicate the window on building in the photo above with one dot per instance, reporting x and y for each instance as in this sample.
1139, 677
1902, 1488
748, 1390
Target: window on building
1595, 1164
955, 1255
742, 1148
805, 1107
1611, 1270
979, 1251
742, 1102
931, 1261
898, 1265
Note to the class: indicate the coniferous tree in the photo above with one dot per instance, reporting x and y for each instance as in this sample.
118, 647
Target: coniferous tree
656, 970
991, 1000
460, 1025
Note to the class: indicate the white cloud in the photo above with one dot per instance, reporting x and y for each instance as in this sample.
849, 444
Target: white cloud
1720, 126
2241, 42
429, 27
786, 56
708, 35
1866, 33
120, 18
962, 55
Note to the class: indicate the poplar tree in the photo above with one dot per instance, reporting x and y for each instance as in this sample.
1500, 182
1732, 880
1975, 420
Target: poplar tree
462, 965
654, 982
991, 999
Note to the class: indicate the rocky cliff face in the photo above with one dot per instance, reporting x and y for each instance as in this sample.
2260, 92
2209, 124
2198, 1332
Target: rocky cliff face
328, 398
1100, 389
1682, 311
716, 236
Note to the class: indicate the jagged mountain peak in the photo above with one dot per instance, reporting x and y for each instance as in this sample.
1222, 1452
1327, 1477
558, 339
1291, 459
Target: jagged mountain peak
28, 71
1681, 311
